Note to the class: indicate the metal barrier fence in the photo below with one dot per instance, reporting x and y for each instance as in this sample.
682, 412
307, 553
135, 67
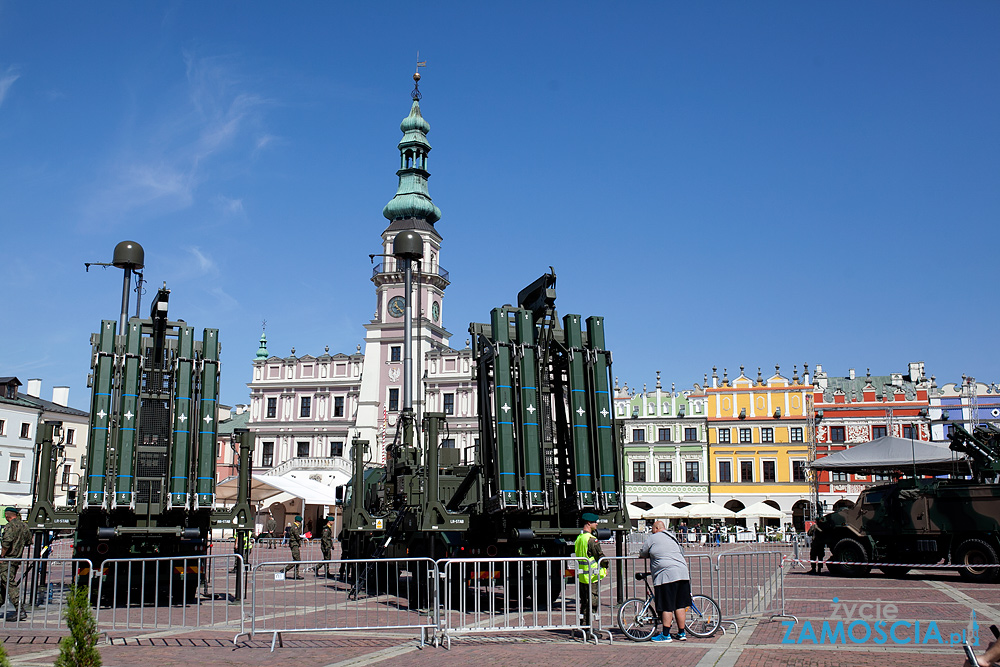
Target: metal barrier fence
43, 586
159, 593
751, 585
355, 595
509, 595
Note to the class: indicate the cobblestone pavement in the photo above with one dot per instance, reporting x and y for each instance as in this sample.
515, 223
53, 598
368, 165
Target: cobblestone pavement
939, 601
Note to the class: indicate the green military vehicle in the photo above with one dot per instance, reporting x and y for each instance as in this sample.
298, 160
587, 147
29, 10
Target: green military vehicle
925, 521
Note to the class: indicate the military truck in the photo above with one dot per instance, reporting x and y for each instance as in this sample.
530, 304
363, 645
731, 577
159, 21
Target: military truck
548, 450
925, 521
149, 484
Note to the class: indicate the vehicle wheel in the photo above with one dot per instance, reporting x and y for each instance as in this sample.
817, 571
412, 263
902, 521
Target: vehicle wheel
637, 619
703, 616
894, 570
849, 550
972, 553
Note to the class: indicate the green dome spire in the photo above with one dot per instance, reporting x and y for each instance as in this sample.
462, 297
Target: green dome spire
262, 350
412, 199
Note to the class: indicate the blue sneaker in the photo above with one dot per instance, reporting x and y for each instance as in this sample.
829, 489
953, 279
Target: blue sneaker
681, 636
662, 638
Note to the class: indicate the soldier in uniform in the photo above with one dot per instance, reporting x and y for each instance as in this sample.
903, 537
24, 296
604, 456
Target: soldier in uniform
588, 553
16, 536
270, 530
817, 549
295, 543
326, 544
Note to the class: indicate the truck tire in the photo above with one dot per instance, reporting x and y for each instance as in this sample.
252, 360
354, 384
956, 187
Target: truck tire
973, 552
849, 550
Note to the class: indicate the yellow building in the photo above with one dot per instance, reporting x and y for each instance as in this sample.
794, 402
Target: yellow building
759, 443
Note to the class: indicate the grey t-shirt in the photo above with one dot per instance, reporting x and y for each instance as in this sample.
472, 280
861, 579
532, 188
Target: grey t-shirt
666, 558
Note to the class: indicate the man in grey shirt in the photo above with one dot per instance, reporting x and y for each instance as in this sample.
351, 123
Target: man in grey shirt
671, 580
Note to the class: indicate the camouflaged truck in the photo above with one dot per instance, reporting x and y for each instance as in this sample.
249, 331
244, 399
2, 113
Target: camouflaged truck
922, 521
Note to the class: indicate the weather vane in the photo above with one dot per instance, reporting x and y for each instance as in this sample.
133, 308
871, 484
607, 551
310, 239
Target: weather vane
416, 78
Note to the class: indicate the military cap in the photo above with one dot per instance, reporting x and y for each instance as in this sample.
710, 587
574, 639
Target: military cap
590, 517
298, 517
12, 509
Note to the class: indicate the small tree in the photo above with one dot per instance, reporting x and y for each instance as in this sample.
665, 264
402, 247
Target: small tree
4, 660
79, 649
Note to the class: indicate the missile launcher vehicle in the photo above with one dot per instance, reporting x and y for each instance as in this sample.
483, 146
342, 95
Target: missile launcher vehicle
548, 450
926, 521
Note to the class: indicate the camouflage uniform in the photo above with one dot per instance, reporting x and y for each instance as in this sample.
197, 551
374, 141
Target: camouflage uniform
270, 528
817, 549
326, 544
16, 536
295, 543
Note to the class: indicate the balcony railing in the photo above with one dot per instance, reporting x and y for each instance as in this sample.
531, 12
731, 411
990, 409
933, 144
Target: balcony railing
335, 463
390, 267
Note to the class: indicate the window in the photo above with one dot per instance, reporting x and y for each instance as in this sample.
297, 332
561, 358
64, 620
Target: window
449, 404
838, 476
395, 352
798, 471
305, 406
67, 471
767, 434
448, 443
338, 406
70, 436
336, 449
663, 435
878, 432
638, 435
908, 432
638, 471
302, 449
665, 472
837, 434
725, 471
725, 436
768, 471
272, 408
881, 478
267, 455
746, 471
14, 469
25, 429
746, 435
691, 472
393, 399
2, 424
951, 430
796, 434
690, 435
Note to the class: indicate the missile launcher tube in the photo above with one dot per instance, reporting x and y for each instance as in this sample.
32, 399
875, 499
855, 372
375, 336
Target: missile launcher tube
503, 409
530, 411
604, 436
185, 418
100, 414
207, 412
579, 413
128, 416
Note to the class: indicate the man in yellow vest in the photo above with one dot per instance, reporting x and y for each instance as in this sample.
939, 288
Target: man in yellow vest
588, 552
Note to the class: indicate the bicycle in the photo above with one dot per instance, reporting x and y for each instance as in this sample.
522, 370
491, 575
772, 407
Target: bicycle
638, 618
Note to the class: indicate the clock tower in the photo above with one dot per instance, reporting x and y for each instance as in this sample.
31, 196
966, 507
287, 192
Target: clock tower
411, 209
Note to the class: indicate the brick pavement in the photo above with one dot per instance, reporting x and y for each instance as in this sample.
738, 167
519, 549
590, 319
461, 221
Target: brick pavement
924, 596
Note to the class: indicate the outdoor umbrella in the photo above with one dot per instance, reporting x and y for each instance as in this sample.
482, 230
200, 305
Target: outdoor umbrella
761, 510
666, 511
708, 511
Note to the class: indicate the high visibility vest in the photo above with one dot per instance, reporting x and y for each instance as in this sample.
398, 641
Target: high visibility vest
586, 566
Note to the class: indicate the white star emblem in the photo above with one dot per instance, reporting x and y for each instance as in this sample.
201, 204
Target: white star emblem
505, 407
604, 413
183, 418
208, 419
579, 411
129, 415
531, 409
102, 414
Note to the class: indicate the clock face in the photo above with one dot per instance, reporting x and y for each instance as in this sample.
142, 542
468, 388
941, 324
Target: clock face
396, 306
435, 311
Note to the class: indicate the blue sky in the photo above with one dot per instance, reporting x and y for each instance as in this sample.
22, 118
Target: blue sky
727, 183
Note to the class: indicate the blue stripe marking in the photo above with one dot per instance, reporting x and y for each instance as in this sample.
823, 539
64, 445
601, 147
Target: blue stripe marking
207, 432
209, 399
583, 474
204, 478
603, 427
531, 388
125, 476
607, 475
100, 428
509, 423
503, 386
580, 390
508, 490
95, 475
531, 423
178, 478
532, 473
100, 394
506, 473
182, 431
599, 392
131, 396
126, 429
579, 426
183, 398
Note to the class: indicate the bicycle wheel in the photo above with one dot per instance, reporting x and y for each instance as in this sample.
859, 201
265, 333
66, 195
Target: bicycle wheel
637, 619
703, 616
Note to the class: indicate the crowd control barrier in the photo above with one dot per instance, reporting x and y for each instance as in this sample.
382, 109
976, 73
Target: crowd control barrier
43, 585
390, 593
171, 593
751, 585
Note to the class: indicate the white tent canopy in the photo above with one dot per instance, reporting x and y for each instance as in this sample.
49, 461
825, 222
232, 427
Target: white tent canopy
709, 511
761, 510
666, 511
892, 453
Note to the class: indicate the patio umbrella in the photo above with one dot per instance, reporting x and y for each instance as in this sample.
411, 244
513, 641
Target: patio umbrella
666, 511
761, 510
709, 511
